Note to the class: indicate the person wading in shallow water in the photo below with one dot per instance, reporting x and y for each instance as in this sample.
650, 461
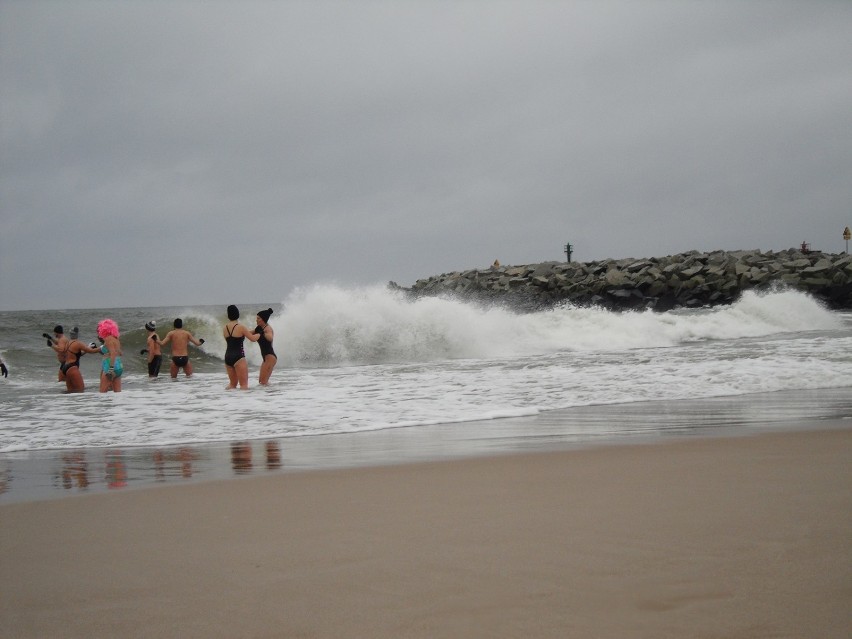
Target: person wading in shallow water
59, 343
111, 349
266, 335
155, 356
71, 367
235, 357
180, 339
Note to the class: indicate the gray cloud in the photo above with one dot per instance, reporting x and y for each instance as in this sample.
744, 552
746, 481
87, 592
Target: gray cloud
202, 152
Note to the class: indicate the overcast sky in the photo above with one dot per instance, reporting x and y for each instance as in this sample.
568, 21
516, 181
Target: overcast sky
195, 152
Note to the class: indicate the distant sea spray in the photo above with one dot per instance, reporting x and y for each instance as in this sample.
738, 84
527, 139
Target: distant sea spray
329, 325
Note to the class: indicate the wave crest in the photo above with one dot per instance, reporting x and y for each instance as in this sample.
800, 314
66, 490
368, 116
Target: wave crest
328, 325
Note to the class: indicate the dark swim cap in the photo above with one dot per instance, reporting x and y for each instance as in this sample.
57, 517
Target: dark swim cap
178, 323
233, 312
58, 329
264, 315
151, 325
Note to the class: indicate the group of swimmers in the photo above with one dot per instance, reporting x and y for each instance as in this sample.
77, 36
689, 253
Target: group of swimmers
69, 351
235, 357
179, 338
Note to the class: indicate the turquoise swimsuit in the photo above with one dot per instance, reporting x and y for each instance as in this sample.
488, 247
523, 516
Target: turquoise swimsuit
118, 369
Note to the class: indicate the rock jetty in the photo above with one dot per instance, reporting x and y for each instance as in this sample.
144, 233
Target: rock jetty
692, 279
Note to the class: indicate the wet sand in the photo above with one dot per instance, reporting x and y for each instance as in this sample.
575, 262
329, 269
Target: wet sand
701, 537
48, 474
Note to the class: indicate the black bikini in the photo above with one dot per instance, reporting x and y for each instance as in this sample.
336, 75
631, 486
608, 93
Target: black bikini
66, 364
234, 352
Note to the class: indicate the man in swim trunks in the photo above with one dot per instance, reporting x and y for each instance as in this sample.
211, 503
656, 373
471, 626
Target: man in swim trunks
180, 339
155, 357
59, 343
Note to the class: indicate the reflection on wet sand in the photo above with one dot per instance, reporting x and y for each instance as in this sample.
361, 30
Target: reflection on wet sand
116, 469
183, 458
241, 457
159, 460
93, 470
4, 480
75, 470
186, 457
273, 455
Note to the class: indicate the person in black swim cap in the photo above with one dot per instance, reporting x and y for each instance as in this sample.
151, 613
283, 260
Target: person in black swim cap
265, 337
153, 350
235, 357
59, 343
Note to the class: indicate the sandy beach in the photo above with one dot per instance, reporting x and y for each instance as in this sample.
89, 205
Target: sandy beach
717, 537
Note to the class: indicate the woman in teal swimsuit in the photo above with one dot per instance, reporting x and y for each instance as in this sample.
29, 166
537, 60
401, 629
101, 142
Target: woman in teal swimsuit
235, 357
111, 349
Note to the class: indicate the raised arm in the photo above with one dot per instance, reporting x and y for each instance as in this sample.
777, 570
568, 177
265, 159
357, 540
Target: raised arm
249, 335
87, 348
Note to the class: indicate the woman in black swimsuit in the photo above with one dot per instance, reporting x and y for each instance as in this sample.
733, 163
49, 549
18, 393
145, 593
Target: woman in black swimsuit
71, 367
264, 330
235, 357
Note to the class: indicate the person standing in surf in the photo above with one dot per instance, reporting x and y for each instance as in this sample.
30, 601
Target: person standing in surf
111, 368
235, 357
71, 367
180, 339
154, 352
59, 343
3, 370
266, 335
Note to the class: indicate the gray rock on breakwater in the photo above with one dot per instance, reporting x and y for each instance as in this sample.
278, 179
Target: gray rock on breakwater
690, 279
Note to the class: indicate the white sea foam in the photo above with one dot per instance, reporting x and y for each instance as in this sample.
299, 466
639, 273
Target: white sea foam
363, 359
327, 325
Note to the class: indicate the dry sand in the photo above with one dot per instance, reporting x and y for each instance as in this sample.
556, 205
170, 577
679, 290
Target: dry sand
742, 537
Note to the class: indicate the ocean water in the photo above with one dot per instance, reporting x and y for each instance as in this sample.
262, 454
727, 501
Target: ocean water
356, 360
